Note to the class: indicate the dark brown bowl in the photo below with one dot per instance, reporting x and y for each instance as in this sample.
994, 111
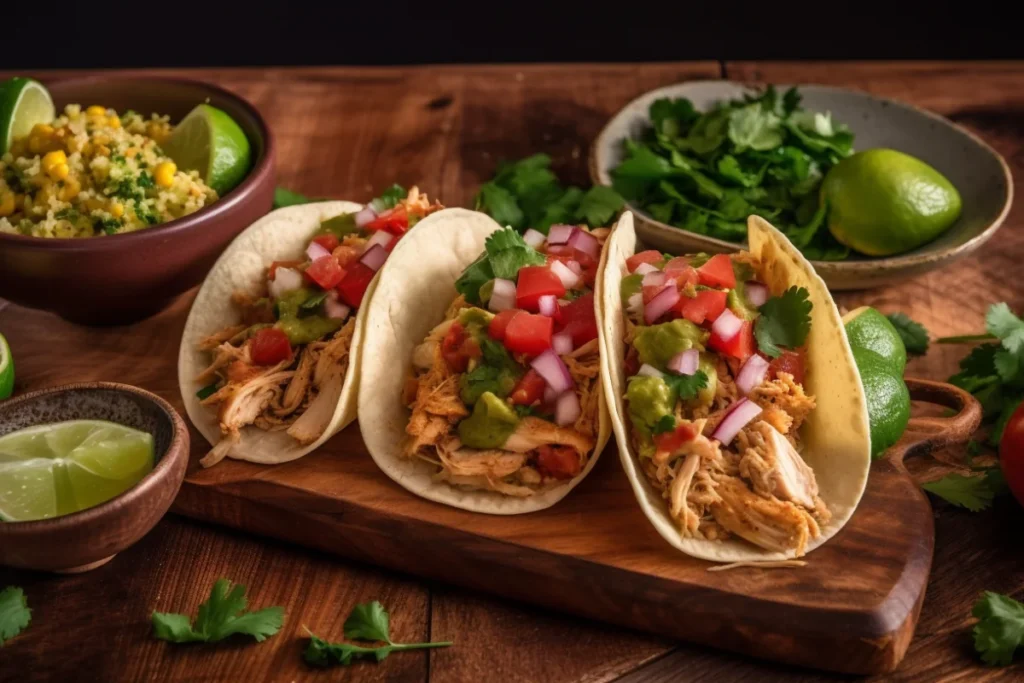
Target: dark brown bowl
85, 540
119, 279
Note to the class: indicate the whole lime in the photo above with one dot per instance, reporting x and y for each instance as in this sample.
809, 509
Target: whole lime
887, 398
883, 202
866, 328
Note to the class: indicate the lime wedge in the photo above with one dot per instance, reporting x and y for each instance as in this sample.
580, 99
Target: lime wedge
6, 369
23, 104
209, 141
57, 469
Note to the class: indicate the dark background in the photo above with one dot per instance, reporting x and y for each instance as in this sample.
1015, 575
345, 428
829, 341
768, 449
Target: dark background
161, 33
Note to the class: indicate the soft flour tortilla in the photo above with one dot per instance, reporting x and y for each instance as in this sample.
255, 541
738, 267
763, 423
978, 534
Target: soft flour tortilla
837, 443
417, 284
279, 236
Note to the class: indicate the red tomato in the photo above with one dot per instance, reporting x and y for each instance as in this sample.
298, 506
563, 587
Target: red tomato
326, 272
528, 390
528, 333
580, 320
560, 462
395, 221
457, 348
281, 264
707, 305
791, 362
328, 241
680, 270
741, 346
589, 265
533, 283
499, 322
650, 256
269, 346
353, 285
1011, 453
670, 441
632, 362
717, 272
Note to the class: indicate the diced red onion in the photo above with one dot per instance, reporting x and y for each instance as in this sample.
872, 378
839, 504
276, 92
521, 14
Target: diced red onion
726, 325
567, 409
549, 366
757, 293
585, 242
661, 304
561, 343
645, 268
334, 308
503, 297
685, 362
548, 305
635, 304
534, 238
569, 279
742, 412
316, 250
365, 216
655, 279
560, 234
379, 237
751, 374
285, 280
549, 395
374, 257
575, 267
649, 371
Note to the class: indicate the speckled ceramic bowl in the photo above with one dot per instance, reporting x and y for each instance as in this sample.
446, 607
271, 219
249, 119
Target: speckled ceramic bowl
979, 173
85, 540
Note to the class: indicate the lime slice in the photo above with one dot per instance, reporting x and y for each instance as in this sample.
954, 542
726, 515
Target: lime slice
23, 104
57, 469
209, 141
6, 369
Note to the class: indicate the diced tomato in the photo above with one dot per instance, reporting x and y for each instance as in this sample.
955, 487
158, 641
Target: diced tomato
717, 272
580, 320
632, 362
649, 256
589, 265
705, 307
345, 255
741, 346
560, 462
499, 322
528, 390
328, 241
395, 221
668, 442
269, 346
272, 273
326, 272
680, 270
534, 282
457, 347
528, 333
791, 362
353, 285
560, 250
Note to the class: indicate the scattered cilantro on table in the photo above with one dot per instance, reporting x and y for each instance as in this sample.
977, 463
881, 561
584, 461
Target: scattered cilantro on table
505, 253
15, 614
913, 333
367, 622
1000, 630
974, 492
784, 322
222, 615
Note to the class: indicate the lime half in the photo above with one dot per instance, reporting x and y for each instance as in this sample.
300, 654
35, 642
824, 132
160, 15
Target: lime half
6, 369
209, 141
23, 104
56, 469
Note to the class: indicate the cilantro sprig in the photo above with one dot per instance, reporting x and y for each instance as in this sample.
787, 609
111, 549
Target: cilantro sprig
222, 615
784, 322
973, 492
913, 333
15, 614
368, 622
505, 253
686, 387
1000, 630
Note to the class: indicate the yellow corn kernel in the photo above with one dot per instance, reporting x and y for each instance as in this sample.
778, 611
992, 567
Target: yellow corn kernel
35, 145
164, 173
114, 122
70, 190
42, 130
116, 210
60, 172
102, 151
55, 165
96, 110
6, 202
131, 152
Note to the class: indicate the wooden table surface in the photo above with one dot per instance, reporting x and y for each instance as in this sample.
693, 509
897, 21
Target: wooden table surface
348, 132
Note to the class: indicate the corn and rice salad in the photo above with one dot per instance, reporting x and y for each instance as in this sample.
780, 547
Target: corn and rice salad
92, 173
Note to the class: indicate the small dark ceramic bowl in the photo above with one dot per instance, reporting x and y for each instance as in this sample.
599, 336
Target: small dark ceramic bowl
85, 540
124, 278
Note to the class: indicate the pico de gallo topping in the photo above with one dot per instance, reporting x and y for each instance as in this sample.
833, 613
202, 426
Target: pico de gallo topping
503, 392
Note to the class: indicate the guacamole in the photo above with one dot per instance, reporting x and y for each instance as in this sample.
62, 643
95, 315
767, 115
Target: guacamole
490, 425
650, 399
657, 344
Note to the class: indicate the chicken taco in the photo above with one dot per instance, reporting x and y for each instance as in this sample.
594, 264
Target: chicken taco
736, 403
269, 358
481, 372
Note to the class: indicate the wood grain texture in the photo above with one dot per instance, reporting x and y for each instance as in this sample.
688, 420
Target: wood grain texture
349, 132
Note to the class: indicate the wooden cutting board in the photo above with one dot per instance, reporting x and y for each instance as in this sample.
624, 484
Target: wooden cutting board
853, 608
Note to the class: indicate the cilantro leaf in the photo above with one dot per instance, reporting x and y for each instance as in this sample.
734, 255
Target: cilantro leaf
15, 614
499, 204
913, 333
284, 197
473, 278
389, 198
219, 617
972, 492
207, 391
977, 369
507, 252
686, 387
665, 423
1002, 322
1001, 629
785, 322
754, 127
599, 205
368, 621
671, 117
